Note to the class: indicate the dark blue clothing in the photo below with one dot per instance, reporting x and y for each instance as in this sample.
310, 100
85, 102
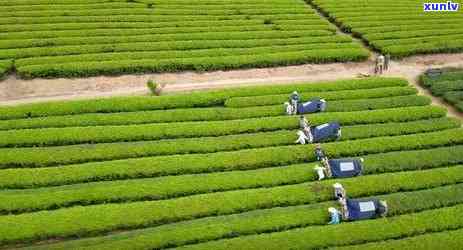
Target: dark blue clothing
325, 131
344, 168
360, 209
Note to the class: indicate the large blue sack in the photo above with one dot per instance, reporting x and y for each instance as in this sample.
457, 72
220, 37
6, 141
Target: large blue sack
312, 106
360, 209
325, 131
344, 168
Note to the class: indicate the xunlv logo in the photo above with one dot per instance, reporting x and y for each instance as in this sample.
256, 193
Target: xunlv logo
448, 6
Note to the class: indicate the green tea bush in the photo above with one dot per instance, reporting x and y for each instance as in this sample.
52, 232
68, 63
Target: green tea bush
50, 156
28, 226
158, 131
193, 100
255, 222
220, 161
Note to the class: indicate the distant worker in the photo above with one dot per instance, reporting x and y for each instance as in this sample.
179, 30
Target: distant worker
379, 64
294, 101
387, 61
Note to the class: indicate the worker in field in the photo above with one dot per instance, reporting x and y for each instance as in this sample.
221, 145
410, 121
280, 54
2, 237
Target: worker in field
387, 61
379, 64
336, 168
339, 168
319, 153
358, 209
294, 100
335, 216
323, 132
339, 194
303, 123
304, 136
339, 191
295, 105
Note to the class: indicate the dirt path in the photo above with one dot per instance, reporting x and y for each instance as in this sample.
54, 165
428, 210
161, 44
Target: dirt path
16, 91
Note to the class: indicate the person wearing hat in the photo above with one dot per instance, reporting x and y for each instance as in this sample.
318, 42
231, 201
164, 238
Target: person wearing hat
294, 101
335, 216
303, 123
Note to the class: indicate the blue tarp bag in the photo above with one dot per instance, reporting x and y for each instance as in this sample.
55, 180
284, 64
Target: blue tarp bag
312, 106
362, 209
345, 168
326, 131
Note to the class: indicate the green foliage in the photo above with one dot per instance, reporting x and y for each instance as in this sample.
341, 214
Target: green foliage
240, 102
49, 156
216, 170
429, 241
163, 11
220, 161
28, 31
196, 114
153, 87
448, 75
59, 222
88, 38
450, 46
122, 38
350, 233
142, 51
268, 21
454, 97
153, 18
409, 34
81, 69
440, 88
252, 222
5, 67
402, 29
49, 30
158, 131
448, 85
183, 185
459, 106
193, 100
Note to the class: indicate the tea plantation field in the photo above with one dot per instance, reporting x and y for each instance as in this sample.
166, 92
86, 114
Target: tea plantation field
68, 38
400, 28
448, 85
220, 170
